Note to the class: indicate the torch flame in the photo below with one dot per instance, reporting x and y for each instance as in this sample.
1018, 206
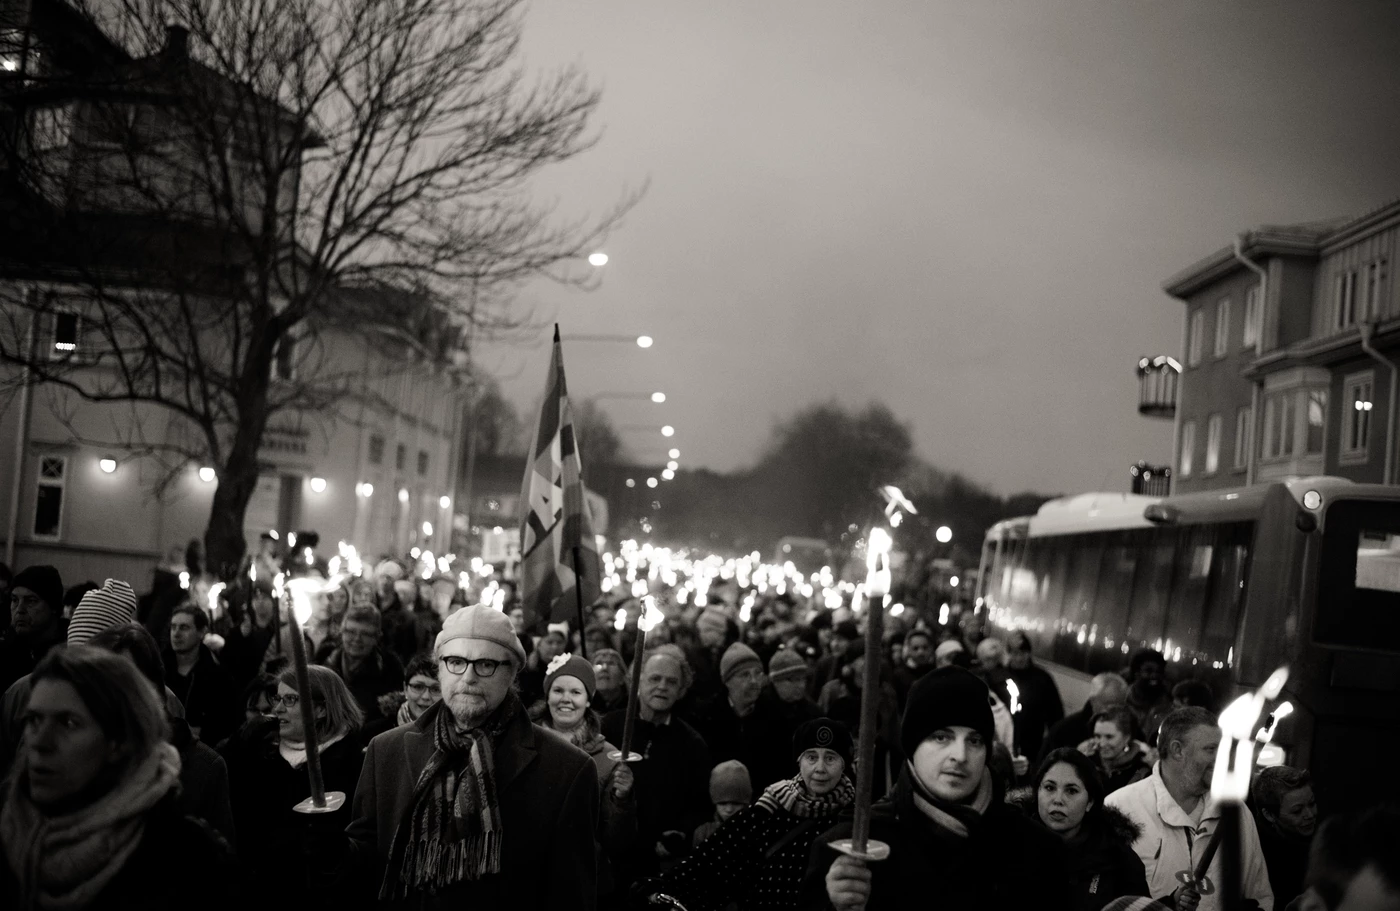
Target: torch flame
1015, 693
1230, 782
215, 591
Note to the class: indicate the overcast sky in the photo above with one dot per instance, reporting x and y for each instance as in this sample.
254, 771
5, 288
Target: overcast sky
963, 209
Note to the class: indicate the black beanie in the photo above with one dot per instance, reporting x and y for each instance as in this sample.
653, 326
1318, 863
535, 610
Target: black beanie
43, 581
943, 698
823, 733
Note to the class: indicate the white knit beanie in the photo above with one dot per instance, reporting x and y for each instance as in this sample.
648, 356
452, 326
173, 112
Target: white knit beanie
101, 609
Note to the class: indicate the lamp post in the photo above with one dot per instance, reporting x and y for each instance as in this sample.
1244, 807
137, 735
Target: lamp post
641, 341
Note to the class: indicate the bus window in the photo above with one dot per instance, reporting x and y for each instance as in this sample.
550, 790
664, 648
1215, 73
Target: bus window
1226, 594
1195, 561
1151, 593
1120, 561
1359, 584
1052, 589
1081, 586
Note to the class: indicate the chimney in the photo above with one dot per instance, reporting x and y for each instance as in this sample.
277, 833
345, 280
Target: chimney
177, 42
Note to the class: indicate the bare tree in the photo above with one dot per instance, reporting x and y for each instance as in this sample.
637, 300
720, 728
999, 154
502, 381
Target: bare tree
221, 185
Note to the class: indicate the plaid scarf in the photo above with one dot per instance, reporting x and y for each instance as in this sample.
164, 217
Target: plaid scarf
793, 796
452, 832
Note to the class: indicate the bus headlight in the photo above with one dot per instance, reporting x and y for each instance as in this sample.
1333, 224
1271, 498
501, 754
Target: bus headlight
1312, 500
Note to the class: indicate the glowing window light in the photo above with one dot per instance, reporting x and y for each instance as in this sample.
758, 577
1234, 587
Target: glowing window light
318, 485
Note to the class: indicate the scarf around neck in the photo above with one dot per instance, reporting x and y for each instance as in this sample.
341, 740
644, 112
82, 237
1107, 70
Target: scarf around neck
793, 796
295, 753
452, 831
956, 819
403, 717
63, 862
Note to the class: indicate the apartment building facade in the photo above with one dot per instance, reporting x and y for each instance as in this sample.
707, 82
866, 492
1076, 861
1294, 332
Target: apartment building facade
1290, 344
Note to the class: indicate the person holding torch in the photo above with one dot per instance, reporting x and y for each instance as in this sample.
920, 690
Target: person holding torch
954, 842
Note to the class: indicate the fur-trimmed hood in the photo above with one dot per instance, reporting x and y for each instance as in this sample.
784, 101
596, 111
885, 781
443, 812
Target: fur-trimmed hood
1108, 821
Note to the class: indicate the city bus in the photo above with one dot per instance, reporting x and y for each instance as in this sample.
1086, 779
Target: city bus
1228, 585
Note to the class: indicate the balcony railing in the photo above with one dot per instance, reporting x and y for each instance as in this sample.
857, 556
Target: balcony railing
1158, 378
1151, 480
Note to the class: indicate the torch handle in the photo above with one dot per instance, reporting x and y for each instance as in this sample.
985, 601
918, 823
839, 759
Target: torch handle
306, 703
1208, 855
629, 725
869, 721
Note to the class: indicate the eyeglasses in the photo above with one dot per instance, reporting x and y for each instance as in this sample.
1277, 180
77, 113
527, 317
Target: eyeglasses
349, 632
419, 689
291, 700
484, 667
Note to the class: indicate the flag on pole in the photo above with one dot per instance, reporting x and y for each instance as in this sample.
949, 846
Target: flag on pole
556, 530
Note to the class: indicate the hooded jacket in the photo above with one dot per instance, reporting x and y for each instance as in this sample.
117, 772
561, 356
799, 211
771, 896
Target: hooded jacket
1102, 864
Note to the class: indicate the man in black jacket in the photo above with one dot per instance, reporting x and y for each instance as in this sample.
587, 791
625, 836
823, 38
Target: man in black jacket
672, 784
953, 841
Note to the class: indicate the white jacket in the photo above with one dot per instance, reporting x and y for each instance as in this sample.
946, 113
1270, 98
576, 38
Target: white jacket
1170, 842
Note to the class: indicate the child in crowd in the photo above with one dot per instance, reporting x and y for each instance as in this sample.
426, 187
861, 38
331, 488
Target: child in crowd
730, 791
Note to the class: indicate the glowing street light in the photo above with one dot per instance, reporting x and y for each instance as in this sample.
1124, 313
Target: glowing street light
598, 259
658, 397
107, 465
944, 534
644, 341
403, 494
206, 474
675, 453
652, 482
318, 485
672, 465
445, 502
668, 474
668, 431
365, 489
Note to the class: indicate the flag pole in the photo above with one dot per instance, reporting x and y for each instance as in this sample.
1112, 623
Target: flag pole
578, 597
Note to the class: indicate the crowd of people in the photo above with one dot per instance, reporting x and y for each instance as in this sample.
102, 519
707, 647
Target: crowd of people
155, 754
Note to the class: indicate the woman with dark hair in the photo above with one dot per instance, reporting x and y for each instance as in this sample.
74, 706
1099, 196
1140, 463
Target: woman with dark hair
267, 772
421, 692
1067, 798
757, 859
91, 815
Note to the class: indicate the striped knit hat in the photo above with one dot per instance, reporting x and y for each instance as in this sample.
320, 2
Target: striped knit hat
102, 608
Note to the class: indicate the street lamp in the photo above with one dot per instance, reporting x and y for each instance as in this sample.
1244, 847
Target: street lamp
598, 259
668, 431
675, 453
944, 534
657, 397
641, 341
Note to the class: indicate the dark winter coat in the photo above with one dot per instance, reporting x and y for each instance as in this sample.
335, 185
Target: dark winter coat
1041, 707
547, 791
1070, 731
756, 860
1005, 861
1287, 860
204, 786
761, 740
211, 703
265, 788
19, 656
180, 863
378, 674
1102, 864
672, 784
1135, 770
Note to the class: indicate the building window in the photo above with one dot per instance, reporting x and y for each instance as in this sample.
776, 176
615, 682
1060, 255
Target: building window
1317, 421
1280, 419
1373, 306
1188, 447
1212, 444
48, 497
400, 457
1251, 317
1345, 300
1356, 422
1196, 331
422, 462
1222, 327
284, 363
1244, 431
376, 449
67, 328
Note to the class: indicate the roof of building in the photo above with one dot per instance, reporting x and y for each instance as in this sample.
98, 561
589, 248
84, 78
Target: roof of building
1309, 238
